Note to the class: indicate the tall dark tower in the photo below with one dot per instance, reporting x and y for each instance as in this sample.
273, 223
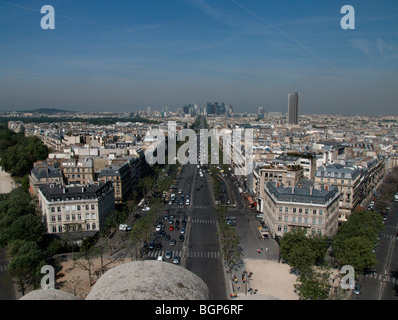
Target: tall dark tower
293, 102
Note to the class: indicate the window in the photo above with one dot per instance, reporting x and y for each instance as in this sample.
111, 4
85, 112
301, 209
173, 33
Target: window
52, 209
280, 209
286, 209
294, 210
280, 218
319, 231
92, 207
54, 229
59, 217
53, 218
67, 217
285, 229
79, 216
306, 220
59, 228
279, 228
58, 209
87, 207
87, 216
320, 212
306, 211
93, 216
78, 207
286, 219
93, 226
73, 217
300, 210
299, 220
294, 219
320, 221
313, 221
314, 211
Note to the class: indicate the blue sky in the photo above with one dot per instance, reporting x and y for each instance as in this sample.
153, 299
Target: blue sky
126, 55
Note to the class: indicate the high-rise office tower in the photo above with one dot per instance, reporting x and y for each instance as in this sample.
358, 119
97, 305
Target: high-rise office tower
293, 102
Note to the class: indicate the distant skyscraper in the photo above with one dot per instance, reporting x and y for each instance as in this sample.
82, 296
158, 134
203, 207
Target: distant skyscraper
293, 102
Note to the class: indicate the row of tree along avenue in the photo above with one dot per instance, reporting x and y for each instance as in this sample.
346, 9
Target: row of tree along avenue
314, 258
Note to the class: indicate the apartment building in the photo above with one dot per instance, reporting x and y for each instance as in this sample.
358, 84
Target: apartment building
78, 171
42, 174
68, 208
120, 176
347, 178
313, 210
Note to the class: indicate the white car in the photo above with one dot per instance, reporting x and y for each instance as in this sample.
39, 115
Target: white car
146, 209
158, 227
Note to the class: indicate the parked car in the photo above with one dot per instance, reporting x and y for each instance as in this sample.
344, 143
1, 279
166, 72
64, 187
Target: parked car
168, 255
181, 238
172, 242
146, 208
171, 228
159, 227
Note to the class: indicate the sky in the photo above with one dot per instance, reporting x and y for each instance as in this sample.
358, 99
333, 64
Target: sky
128, 55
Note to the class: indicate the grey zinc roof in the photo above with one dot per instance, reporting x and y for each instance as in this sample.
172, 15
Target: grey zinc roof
303, 194
46, 172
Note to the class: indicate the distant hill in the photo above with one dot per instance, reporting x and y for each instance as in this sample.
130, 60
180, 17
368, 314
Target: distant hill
48, 111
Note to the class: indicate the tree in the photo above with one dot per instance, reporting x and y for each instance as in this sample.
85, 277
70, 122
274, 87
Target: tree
314, 285
26, 264
296, 248
357, 252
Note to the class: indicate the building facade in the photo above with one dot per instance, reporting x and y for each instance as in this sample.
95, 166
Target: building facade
347, 178
315, 211
76, 208
293, 102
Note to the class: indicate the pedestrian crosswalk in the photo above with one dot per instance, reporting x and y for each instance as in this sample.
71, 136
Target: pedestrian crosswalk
389, 236
202, 207
187, 254
381, 277
203, 221
3, 267
183, 206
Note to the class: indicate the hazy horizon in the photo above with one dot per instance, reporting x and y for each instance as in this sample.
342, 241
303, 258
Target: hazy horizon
130, 55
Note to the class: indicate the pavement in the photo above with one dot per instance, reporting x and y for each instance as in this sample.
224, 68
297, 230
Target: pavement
259, 275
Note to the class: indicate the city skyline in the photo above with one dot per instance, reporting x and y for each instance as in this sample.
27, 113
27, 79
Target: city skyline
128, 56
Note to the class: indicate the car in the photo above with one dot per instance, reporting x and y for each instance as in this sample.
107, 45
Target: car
187, 195
151, 246
159, 227
177, 227
182, 230
180, 191
176, 260
231, 223
167, 237
181, 201
230, 218
146, 208
184, 222
171, 228
160, 258
181, 238
168, 255
187, 202
171, 220
172, 242
170, 202
162, 233
357, 289
158, 246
